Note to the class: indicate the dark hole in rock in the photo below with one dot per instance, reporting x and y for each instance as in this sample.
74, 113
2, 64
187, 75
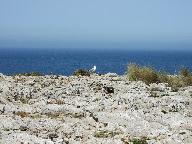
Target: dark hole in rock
23, 128
182, 133
108, 89
52, 136
163, 111
105, 124
95, 118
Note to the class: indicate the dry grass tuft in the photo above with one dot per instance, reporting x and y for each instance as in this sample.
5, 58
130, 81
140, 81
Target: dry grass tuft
145, 74
22, 114
149, 75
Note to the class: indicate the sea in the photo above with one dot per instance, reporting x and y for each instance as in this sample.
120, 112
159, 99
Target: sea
66, 61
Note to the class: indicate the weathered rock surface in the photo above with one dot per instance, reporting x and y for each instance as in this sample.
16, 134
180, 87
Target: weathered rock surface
106, 109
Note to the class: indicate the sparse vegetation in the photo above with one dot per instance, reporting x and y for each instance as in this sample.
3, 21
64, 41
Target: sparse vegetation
96, 99
142, 140
36, 116
149, 75
56, 101
81, 72
24, 100
105, 134
22, 114
30, 74
78, 115
54, 115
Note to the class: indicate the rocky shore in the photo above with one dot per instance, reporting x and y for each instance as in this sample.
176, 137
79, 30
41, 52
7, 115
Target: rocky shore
105, 109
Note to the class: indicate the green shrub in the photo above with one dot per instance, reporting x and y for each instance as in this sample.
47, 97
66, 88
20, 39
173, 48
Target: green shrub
175, 83
187, 81
81, 72
105, 134
163, 77
184, 72
142, 140
186, 77
145, 74
183, 79
133, 72
149, 75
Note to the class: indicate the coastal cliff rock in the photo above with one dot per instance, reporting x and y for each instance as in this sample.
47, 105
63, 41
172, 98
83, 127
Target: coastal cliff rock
92, 109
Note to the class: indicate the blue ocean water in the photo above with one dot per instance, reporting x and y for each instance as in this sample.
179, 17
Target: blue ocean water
65, 62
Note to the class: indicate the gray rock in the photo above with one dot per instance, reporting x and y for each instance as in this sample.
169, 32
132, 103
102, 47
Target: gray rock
60, 109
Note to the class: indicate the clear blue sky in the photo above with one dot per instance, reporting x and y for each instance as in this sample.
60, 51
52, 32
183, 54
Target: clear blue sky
94, 23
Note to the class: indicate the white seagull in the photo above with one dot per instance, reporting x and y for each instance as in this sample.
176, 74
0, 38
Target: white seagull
93, 69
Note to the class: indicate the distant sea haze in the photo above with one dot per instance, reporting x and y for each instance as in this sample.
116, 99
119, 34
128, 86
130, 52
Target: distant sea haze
66, 61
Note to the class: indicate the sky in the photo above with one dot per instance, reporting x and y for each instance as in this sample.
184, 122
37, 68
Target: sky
95, 23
